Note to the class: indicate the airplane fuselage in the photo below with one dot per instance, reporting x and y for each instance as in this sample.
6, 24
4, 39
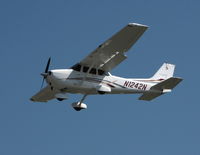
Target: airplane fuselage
70, 81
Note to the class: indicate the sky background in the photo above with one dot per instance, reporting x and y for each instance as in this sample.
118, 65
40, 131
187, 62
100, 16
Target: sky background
31, 31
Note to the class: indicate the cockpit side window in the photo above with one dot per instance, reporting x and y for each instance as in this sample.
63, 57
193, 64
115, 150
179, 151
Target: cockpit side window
76, 67
85, 69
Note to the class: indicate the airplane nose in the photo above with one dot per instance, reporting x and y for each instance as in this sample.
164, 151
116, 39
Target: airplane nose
46, 74
57, 74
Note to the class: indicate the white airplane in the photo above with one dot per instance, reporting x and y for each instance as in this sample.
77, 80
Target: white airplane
92, 75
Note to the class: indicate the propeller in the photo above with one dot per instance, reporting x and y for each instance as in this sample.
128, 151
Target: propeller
46, 71
48, 63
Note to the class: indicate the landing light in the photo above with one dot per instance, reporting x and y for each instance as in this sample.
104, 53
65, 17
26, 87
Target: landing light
167, 90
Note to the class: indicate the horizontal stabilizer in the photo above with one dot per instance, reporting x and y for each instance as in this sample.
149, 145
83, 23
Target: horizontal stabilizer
149, 96
167, 84
160, 88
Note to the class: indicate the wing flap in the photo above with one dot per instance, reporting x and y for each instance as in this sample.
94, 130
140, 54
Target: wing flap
113, 61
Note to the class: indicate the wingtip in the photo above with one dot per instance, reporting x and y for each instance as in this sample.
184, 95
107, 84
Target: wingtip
137, 24
32, 99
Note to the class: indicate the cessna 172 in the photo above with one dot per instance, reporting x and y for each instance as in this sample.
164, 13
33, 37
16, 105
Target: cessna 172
92, 75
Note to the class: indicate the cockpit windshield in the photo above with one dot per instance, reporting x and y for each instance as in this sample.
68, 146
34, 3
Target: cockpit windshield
76, 67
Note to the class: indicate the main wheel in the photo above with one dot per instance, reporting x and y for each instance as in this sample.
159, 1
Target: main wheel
77, 108
60, 99
101, 92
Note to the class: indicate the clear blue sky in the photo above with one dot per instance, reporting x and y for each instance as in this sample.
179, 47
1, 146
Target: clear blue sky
31, 31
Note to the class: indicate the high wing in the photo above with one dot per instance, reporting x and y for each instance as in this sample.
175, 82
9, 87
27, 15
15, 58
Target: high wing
44, 95
111, 53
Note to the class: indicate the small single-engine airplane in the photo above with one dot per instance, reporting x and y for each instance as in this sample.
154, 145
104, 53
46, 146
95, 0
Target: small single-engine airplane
92, 75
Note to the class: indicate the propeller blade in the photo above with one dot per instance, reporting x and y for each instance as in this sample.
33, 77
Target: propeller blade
47, 66
45, 72
42, 83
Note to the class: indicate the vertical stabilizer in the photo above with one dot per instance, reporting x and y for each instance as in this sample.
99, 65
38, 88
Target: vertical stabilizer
166, 71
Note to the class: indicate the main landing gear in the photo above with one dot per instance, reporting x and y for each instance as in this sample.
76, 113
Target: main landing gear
79, 105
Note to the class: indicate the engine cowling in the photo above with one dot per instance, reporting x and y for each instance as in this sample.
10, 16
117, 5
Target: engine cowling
79, 106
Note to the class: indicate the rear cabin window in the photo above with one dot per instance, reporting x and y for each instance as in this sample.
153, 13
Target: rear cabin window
93, 71
100, 72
